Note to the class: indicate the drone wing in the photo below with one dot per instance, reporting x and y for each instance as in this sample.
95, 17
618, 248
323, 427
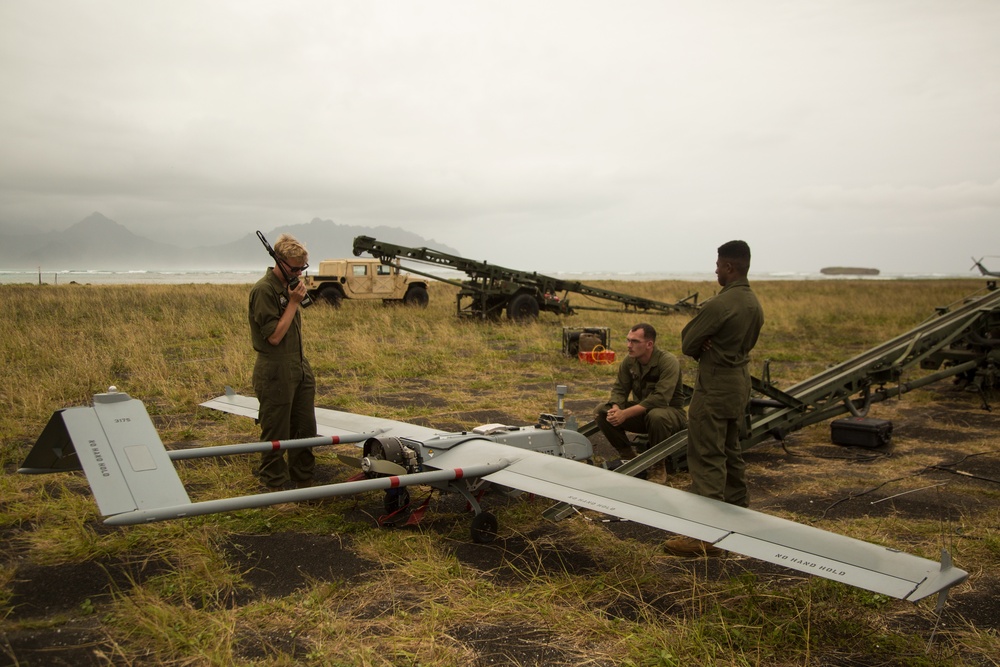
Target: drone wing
133, 478
744, 531
328, 422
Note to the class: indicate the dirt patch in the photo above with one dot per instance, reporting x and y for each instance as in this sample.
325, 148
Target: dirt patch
76, 589
264, 645
409, 400
584, 410
77, 643
518, 645
279, 564
466, 421
60, 607
516, 559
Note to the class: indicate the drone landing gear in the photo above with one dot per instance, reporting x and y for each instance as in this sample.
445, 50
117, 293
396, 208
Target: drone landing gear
484, 524
484, 528
396, 500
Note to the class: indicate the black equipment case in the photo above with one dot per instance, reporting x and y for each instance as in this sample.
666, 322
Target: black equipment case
861, 432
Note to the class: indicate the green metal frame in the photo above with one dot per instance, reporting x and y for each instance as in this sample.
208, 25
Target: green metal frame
490, 288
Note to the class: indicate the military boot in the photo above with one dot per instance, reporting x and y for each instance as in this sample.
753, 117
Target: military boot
657, 473
625, 452
688, 546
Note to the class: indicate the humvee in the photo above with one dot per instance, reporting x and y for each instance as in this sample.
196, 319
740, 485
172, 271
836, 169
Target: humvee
339, 279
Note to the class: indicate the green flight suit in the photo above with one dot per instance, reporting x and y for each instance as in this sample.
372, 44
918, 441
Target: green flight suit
284, 384
732, 322
658, 387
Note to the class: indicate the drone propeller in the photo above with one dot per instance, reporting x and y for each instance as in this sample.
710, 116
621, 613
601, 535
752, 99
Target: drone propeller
368, 464
352, 461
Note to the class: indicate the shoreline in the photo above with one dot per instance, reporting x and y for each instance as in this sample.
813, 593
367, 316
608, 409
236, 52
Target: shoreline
108, 277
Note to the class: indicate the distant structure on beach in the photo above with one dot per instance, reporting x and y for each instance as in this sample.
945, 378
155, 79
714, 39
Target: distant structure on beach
847, 271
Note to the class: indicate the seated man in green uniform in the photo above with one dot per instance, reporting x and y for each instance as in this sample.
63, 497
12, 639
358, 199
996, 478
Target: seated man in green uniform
647, 398
282, 378
720, 338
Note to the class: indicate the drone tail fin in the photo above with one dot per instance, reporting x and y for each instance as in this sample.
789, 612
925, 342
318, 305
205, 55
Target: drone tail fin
117, 447
978, 264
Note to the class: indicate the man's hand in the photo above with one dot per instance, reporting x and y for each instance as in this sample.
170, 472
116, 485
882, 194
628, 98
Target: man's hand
297, 294
615, 415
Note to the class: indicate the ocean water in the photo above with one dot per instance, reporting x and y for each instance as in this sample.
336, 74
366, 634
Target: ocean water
249, 276
68, 277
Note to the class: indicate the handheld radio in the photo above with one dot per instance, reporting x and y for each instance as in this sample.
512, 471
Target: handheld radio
294, 280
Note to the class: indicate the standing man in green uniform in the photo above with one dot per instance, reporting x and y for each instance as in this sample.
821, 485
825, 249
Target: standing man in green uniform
647, 398
720, 337
282, 378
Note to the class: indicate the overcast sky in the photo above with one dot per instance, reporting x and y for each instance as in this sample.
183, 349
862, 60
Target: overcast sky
541, 135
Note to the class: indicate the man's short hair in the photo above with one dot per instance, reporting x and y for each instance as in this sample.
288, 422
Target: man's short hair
737, 253
648, 332
288, 247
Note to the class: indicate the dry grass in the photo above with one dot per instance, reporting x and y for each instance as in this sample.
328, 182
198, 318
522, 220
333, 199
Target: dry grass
579, 592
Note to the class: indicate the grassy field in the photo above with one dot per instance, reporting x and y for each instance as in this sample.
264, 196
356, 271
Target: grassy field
324, 586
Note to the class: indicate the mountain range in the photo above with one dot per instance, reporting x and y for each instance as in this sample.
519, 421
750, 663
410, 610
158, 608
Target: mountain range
99, 243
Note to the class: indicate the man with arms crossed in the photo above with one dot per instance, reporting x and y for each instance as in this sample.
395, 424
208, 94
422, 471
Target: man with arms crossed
720, 338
